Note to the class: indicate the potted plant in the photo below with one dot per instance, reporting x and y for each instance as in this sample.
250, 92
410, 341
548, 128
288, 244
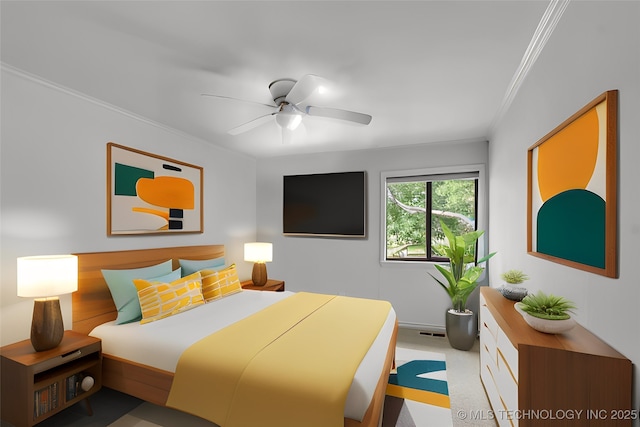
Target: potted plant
547, 313
510, 289
461, 277
514, 277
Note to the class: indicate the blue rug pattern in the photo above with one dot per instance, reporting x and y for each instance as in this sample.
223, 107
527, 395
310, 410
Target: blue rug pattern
417, 393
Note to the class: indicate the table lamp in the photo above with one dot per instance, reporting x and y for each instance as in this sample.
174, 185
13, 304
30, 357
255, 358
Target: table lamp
44, 278
259, 253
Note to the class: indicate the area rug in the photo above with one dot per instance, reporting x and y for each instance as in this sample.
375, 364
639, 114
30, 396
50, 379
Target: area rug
418, 393
417, 396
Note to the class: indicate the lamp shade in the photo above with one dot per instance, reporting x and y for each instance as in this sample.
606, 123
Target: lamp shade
47, 276
258, 252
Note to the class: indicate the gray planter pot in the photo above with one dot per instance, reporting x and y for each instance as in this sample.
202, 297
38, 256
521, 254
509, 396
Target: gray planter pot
462, 329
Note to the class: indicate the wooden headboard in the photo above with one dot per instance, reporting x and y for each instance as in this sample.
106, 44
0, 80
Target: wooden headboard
92, 304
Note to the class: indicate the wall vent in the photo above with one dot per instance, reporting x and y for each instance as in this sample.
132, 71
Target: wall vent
433, 334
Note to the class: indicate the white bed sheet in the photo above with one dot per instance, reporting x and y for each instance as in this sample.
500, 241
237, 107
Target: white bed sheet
148, 344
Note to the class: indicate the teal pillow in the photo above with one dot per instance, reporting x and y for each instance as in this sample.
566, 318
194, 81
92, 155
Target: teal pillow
167, 278
124, 292
190, 266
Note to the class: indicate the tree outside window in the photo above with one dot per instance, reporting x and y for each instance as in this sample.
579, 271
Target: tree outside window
414, 207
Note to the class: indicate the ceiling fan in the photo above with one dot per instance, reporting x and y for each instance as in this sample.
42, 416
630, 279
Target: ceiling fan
289, 98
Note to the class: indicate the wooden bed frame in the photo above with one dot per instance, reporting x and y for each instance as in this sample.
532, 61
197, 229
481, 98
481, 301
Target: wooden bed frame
93, 305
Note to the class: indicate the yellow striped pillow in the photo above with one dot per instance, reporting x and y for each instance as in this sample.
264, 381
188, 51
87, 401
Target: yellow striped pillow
159, 300
220, 283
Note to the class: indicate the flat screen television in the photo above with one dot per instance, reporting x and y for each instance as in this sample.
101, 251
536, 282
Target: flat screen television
326, 204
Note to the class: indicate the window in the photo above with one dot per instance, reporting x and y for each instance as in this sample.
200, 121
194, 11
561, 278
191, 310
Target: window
414, 202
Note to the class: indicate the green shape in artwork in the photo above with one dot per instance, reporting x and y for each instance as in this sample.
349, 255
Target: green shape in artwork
572, 226
126, 178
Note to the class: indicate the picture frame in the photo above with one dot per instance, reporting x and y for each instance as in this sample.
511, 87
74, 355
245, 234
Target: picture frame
152, 194
572, 190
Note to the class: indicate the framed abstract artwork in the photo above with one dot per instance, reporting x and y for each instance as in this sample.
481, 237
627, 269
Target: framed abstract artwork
151, 194
572, 190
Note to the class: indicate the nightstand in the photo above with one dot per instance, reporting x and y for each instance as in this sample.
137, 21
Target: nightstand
271, 285
37, 385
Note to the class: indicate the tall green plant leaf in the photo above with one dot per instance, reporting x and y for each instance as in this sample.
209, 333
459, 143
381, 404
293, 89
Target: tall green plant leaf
463, 272
448, 289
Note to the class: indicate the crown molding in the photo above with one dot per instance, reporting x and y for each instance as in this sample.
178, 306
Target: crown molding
80, 95
543, 32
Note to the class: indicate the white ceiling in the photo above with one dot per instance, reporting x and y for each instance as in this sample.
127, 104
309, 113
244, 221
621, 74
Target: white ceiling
427, 71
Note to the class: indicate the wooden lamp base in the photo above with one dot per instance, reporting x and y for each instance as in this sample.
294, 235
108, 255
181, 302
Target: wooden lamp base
47, 329
259, 274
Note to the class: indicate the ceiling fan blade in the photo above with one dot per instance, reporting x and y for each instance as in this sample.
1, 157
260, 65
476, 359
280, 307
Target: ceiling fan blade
237, 99
251, 125
304, 88
334, 113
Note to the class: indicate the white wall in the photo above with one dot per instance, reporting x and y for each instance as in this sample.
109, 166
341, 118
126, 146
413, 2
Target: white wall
595, 48
352, 266
53, 185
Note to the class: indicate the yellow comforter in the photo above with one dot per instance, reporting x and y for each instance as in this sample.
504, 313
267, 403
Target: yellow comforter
290, 364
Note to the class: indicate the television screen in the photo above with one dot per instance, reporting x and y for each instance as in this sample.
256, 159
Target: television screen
328, 204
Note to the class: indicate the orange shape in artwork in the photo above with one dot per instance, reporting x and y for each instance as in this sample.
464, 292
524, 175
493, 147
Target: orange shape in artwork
161, 214
166, 191
567, 160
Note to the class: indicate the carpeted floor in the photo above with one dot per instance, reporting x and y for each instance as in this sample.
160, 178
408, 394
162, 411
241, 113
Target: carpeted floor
466, 397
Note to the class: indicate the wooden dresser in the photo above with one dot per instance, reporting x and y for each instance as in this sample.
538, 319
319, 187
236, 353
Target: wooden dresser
537, 379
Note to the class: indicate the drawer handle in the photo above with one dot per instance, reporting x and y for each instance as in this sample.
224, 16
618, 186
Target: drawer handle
72, 355
57, 361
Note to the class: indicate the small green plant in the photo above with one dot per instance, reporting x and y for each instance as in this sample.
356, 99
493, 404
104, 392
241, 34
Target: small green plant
545, 306
514, 277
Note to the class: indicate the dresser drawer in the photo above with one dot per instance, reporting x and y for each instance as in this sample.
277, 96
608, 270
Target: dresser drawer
487, 321
488, 345
508, 352
500, 412
507, 387
486, 375
498, 358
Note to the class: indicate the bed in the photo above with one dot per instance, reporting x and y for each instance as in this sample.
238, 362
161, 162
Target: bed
151, 380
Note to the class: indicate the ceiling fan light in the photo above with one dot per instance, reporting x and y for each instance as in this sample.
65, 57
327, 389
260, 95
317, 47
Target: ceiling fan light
289, 121
295, 122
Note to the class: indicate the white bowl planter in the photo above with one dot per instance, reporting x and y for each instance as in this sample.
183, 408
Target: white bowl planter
545, 325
